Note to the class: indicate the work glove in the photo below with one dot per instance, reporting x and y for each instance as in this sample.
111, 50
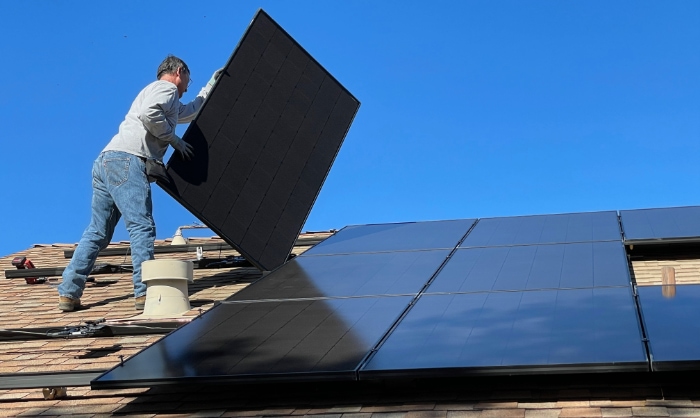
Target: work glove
215, 77
183, 147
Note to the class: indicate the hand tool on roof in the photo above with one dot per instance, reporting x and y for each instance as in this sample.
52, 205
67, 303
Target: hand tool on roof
35, 275
24, 263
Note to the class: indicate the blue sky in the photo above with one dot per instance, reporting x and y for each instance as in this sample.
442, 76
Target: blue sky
469, 108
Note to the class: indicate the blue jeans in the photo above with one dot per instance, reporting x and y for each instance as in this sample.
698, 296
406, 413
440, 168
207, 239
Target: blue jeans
119, 188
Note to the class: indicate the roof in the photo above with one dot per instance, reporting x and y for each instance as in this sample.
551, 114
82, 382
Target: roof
25, 306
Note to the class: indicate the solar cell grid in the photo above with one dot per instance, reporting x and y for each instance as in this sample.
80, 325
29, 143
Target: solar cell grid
301, 340
556, 266
507, 332
359, 274
263, 144
544, 229
394, 237
662, 224
669, 316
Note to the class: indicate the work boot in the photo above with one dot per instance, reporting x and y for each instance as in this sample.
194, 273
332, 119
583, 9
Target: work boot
140, 303
67, 304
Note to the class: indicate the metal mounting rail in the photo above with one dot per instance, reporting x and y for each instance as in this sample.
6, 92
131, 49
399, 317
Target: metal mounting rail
205, 263
165, 249
92, 329
47, 380
57, 271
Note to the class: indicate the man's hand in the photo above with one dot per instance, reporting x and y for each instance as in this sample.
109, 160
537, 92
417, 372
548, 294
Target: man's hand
184, 148
215, 77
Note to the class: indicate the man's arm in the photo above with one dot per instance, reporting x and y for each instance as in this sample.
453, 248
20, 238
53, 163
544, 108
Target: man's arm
154, 112
189, 111
158, 117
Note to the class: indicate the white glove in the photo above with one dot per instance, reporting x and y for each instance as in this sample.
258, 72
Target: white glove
184, 148
215, 77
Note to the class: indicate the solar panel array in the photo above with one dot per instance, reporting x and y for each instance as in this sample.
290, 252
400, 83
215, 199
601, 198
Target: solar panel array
264, 142
527, 295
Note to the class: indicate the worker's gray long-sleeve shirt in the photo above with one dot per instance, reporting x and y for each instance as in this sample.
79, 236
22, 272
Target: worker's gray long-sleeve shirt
149, 126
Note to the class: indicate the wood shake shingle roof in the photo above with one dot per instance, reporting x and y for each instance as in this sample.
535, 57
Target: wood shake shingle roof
25, 306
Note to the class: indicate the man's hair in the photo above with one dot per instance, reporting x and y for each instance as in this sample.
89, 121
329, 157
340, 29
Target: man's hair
170, 65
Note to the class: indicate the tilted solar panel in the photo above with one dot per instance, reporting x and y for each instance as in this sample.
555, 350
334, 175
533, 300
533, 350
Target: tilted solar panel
263, 142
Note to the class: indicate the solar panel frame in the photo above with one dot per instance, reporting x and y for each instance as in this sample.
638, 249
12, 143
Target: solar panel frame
661, 225
298, 340
533, 267
406, 236
544, 229
464, 334
673, 338
349, 275
264, 142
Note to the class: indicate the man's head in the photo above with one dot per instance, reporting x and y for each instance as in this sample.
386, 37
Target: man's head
175, 70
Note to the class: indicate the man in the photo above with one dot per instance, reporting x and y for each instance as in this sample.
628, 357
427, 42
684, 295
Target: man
120, 185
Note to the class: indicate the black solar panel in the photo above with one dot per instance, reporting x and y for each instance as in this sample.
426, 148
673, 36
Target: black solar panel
670, 317
284, 340
664, 224
263, 144
514, 332
545, 229
394, 237
348, 275
557, 266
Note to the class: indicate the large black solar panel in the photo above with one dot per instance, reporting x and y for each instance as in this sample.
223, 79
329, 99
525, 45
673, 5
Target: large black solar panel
359, 274
582, 330
264, 341
264, 142
661, 225
545, 229
530, 267
670, 315
394, 237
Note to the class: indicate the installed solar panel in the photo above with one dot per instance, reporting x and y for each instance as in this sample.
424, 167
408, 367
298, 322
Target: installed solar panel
544, 229
348, 275
300, 340
664, 224
263, 142
532, 267
670, 317
394, 237
514, 332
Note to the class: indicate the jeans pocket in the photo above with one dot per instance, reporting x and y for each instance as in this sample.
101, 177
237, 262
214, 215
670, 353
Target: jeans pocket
116, 170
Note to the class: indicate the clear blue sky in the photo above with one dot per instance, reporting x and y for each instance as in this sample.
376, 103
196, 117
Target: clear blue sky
469, 108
